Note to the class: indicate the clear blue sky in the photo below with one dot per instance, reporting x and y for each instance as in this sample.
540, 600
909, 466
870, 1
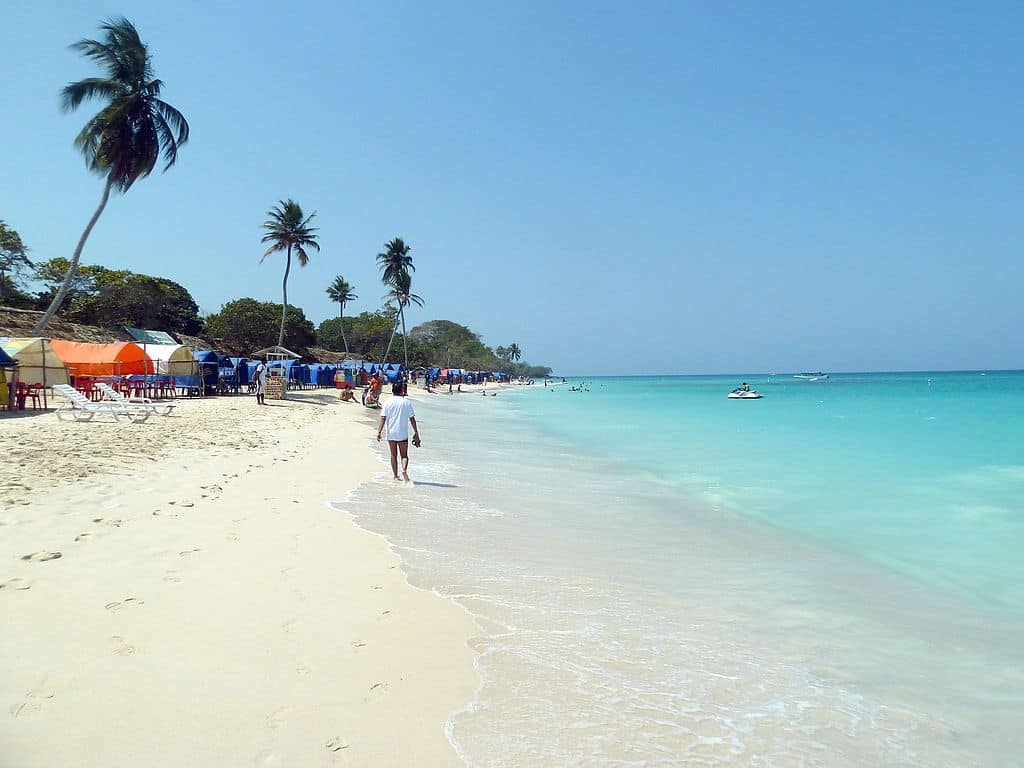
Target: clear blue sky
688, 187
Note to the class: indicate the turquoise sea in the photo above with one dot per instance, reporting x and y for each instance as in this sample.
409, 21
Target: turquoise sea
832, 575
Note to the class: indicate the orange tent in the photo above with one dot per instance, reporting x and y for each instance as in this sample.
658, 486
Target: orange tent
84, 359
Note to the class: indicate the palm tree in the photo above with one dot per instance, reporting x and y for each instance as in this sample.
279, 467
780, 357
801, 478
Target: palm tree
341, 292
396, 264
124, 140
514, 353
288, 230
401, 296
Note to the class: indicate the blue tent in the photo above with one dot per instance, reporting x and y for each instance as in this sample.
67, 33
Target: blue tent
6, 361
209, 366
322, 374
241, 366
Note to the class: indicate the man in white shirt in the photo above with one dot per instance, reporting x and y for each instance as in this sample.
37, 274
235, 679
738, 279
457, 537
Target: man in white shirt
260, 377
397, 415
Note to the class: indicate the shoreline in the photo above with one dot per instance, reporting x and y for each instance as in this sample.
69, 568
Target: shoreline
206, 606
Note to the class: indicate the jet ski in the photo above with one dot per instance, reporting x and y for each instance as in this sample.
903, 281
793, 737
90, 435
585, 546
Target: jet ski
744, 394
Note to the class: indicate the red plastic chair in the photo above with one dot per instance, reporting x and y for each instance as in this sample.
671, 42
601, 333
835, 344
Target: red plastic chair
35, 395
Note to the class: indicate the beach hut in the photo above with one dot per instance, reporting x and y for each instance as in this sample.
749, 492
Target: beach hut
209, 367
8, 376
172, 359
84, 359
36, 359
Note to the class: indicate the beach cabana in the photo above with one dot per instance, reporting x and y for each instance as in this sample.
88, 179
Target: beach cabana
37, 362
8, 376
84, 359
209, 366
172, 359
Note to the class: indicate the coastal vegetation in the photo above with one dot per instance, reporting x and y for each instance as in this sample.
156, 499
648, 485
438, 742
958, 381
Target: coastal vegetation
14, 266
288, 230
341, 292
125, 139
396, 273
246, 325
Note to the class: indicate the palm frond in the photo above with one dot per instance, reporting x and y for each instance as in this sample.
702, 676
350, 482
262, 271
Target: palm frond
125, 139
74, 94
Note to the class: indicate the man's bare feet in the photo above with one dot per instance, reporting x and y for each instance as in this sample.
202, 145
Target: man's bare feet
397, 477
405, 476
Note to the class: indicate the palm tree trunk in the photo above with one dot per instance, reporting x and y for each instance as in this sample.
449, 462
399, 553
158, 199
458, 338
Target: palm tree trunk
341, 324
405, 340
62, 292
388, 350
284, 290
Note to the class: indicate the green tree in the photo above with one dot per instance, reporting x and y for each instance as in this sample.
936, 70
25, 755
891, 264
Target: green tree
14, 265
245, 325
288, 230
117, 298
514, 353
124, 140
401, 296
367, 333
396, 268
341, 292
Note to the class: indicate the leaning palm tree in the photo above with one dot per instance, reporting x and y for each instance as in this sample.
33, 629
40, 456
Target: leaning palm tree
396, 264
341, 292
514, 353
401, 296
124, 140
288, 230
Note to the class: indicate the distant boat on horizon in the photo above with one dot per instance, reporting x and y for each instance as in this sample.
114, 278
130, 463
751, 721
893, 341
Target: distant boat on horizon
819, 376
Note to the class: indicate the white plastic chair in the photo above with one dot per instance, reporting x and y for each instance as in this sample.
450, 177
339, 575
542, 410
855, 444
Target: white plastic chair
111, 395
81, 408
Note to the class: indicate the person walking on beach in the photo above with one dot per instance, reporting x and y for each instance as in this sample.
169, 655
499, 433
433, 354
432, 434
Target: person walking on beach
260, 377
396, 416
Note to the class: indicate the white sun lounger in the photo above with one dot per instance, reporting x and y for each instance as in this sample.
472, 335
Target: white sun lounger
112, 395
81, 408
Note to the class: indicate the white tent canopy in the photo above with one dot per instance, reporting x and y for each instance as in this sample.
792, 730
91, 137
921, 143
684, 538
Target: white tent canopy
172, 359
37, 362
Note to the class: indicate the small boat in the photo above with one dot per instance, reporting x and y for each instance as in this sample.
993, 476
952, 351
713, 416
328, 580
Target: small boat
744, 394
819, 376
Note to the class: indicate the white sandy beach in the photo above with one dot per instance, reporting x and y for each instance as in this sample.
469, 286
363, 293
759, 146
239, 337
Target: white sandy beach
179, 593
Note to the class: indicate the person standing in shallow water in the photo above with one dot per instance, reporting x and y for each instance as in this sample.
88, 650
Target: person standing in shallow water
396, 416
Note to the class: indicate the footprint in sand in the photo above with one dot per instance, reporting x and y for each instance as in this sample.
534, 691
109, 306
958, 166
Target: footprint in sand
233, 537
268, 759
376, 586
128, 602
336, 744
34, 700
42, 557
289, 626
122, 648
287, 571
172, 576
83, 536
357, 644
276, 718
187, 552
302, 670
377, 692
16, 583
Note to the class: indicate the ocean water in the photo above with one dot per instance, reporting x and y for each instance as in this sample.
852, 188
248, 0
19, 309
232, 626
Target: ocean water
832, 575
